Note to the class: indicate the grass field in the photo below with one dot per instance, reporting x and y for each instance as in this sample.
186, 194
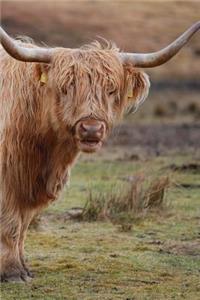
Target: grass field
158, 259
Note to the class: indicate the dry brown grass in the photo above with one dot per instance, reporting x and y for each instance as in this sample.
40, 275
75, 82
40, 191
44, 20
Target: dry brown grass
127, 206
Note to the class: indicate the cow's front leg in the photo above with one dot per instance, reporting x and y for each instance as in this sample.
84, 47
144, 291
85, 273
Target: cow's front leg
11, 268
26, 219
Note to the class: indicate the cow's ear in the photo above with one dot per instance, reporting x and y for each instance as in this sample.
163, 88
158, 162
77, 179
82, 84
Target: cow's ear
42, 72
137, 86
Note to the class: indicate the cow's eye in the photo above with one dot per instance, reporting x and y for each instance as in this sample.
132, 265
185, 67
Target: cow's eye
111, 88
64, 90
111, 92
72, 83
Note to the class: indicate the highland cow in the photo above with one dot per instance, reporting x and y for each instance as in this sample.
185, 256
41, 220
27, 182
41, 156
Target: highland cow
55, 103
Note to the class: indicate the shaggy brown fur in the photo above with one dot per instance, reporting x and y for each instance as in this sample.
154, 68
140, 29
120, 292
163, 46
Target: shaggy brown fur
37, 140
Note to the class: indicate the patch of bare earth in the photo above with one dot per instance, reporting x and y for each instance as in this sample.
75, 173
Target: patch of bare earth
182, 248
158, 139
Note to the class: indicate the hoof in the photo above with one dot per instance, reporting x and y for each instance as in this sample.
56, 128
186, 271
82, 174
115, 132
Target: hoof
29, 273
18, 277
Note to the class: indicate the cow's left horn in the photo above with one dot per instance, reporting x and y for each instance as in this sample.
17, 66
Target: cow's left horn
154, 59
22, 53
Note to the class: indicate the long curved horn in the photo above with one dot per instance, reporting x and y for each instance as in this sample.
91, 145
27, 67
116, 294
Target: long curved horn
22, 53
154, 59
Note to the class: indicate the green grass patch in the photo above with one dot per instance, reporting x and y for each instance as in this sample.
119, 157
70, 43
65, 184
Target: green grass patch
158, 259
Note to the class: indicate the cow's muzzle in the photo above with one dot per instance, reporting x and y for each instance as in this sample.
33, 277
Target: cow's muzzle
89, 134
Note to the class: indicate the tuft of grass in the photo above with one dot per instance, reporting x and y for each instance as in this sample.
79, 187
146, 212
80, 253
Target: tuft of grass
130, 206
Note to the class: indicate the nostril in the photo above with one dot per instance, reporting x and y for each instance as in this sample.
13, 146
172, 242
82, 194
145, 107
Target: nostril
101, 127
83, 127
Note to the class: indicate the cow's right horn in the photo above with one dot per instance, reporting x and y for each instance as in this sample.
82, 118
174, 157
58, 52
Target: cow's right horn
150, 60
22, 53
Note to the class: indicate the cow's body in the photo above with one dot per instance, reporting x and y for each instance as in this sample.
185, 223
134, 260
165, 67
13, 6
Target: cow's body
55, 103
34, 161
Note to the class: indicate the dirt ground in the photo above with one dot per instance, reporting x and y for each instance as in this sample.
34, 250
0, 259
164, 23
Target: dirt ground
158, 139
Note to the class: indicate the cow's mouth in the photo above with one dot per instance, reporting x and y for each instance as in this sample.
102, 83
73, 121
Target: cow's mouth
90, 134
89, 145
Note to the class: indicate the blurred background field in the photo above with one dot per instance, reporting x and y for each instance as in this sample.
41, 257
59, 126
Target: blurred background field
157, 256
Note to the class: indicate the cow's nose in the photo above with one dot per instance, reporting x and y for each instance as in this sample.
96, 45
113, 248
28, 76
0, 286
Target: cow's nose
91, 129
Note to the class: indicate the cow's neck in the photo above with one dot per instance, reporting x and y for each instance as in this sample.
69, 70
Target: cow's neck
56, 166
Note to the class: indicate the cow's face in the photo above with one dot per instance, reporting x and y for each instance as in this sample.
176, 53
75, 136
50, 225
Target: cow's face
88, 91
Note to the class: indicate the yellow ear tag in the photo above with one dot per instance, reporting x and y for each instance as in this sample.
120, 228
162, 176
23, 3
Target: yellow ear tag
130, 88
130, 92
43, 78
